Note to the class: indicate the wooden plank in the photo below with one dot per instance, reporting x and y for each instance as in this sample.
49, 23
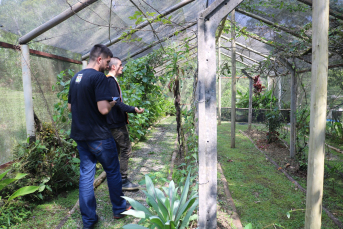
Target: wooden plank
316, 155
293, 113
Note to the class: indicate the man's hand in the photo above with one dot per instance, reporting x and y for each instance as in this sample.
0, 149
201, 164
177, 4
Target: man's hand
112, 103
139, 111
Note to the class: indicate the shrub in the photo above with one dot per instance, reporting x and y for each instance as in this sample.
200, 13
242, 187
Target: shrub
53, 167
273, 123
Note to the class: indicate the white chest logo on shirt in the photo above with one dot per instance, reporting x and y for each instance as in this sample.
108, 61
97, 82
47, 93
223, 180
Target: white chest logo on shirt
78, 78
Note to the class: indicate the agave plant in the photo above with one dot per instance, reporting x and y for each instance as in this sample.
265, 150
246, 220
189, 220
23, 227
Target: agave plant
167, 210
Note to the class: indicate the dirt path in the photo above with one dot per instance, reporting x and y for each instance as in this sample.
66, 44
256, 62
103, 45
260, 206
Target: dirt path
151, 156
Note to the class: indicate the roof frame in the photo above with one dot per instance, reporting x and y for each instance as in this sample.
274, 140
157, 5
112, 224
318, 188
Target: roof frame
55, 21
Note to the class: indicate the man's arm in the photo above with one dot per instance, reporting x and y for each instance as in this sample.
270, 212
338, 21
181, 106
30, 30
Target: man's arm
69, 107
105, 107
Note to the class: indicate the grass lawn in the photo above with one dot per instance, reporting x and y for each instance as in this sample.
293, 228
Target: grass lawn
261, 193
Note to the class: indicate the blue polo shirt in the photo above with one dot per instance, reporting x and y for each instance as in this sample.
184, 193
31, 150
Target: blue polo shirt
88, 87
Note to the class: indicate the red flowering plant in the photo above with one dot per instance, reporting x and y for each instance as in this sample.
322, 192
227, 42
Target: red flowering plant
257, 85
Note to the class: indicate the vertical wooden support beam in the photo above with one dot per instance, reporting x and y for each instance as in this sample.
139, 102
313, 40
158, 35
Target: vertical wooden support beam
207, 108
84, 64
293, 112
219, 86
280, 91
316, 155
233, 82
208, 21
250, 103
26, 71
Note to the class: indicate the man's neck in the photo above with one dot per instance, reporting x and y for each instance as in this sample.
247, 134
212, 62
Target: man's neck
93, 65
112, 74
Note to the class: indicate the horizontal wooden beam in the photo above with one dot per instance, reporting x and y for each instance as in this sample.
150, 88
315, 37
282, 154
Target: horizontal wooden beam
40, 53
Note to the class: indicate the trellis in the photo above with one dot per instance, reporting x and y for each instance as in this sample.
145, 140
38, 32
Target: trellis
208, 22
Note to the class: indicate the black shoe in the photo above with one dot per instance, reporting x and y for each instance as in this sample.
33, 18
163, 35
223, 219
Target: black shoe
92, 227
128, 186
119, 216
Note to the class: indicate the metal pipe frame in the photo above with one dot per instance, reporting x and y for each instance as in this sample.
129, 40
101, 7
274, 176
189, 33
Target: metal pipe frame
146, 23
55, 21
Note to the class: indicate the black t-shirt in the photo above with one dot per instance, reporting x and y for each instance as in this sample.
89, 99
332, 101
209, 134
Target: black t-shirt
88, 87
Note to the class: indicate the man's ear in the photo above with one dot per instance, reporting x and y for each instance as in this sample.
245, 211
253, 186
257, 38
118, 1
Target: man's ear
98, 60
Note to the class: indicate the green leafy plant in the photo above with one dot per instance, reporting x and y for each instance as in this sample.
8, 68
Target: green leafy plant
273, 123
52, 167
20, 192
62, 116
167, 210
303, 129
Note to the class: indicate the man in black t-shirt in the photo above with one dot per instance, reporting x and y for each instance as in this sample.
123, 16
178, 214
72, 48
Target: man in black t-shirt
89, 101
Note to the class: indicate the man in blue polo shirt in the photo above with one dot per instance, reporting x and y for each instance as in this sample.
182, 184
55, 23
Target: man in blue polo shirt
89, 101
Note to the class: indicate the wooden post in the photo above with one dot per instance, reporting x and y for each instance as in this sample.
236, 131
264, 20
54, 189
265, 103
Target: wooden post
219, 87
233, 81
208, 21
293, 112
26, 71
84, 64
316, 155
250, 103
280, 92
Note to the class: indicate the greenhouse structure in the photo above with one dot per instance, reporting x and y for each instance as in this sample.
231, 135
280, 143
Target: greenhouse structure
272, 68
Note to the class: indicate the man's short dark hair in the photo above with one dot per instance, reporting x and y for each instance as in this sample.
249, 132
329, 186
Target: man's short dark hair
99, 50
114, 61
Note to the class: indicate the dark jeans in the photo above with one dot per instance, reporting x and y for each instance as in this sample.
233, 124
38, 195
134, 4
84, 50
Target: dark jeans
121, 136
105, 152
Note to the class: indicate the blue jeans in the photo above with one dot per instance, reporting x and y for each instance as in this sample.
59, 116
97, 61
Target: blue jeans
106, 153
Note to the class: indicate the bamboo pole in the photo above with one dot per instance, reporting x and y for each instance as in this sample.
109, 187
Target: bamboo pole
233, 80
316, 155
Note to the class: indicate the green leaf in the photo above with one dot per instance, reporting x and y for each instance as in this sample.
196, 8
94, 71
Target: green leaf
76, 160
288, 215
135, 213
2, 175
249, 226
188, 215
134, 226
5, 182
171, 224
138, 206
23, 191
157, 221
